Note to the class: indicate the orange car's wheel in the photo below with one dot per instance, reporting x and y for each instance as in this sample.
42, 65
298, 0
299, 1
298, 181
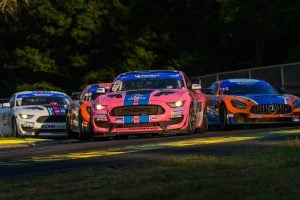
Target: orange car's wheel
223, 117
191, 121
84, 132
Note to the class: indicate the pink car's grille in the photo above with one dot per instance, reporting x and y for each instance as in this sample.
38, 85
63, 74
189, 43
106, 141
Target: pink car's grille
137, 110
271, 109
136, 125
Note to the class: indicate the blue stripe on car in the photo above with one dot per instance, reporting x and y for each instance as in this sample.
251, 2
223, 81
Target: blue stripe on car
63, 110
50, 111
129, 99
144, 119
144, 99
128, 120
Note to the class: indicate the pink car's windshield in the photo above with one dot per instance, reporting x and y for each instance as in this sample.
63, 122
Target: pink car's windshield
147, 83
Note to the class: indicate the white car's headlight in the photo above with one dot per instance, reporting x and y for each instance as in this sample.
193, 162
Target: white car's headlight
100, 107
25, 116
176, 104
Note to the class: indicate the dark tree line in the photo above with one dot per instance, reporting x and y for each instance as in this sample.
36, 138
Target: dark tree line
66, 44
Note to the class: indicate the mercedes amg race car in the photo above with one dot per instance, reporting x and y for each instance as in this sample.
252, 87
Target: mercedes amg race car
35, 113
151, 101
249, 101
78, 115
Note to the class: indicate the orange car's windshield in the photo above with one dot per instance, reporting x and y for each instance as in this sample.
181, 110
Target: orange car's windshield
247, 89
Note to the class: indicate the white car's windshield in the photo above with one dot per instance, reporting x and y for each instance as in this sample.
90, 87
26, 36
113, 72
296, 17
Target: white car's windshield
40, 100
146, 83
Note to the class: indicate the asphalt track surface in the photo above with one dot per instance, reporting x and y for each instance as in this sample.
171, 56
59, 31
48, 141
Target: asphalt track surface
60, 156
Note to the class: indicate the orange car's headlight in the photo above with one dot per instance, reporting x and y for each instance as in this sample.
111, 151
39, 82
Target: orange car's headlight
238, 104
297, 103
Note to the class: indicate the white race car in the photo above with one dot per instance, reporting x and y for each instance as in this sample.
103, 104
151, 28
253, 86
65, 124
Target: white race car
35, 113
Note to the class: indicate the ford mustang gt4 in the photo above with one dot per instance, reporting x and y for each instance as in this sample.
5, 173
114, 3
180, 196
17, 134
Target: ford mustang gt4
35, 113
151, 101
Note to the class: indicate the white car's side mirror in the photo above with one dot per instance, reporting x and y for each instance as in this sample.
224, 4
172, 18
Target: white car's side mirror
196, 86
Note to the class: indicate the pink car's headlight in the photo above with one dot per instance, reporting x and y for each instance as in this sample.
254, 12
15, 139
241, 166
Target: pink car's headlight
100, 107
176, 104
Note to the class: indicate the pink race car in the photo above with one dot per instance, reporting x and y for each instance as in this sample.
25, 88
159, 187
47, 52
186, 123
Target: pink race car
151, 101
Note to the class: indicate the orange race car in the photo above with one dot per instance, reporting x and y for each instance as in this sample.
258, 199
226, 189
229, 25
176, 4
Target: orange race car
249, 101
78, 115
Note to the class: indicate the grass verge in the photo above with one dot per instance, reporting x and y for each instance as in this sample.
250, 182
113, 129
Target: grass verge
253, 174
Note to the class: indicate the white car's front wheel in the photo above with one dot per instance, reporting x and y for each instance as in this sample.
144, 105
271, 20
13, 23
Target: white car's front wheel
14, 128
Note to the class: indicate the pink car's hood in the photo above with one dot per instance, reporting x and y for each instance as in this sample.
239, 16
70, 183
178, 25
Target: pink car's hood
140, 97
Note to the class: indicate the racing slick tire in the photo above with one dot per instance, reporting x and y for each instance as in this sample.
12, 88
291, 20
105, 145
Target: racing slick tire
191, 121
84, 132
223, 117
14, 128
204, 125
69, 131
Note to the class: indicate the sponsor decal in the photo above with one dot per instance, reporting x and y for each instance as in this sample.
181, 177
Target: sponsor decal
53, 126
56, 111
28, 124
154, 118
40, 93
46, 126
119, 119
162, 75
101, 115
177, 112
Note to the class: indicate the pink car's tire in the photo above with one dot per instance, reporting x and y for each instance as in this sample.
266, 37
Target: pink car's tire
191, 121
204, 125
